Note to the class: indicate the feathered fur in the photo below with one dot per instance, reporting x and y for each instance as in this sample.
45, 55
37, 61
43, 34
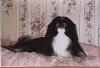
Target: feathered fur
43, 45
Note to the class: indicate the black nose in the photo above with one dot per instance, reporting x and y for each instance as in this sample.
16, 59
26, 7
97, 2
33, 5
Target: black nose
61, 25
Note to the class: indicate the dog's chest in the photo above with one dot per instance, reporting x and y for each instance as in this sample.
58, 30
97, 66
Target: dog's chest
60, 43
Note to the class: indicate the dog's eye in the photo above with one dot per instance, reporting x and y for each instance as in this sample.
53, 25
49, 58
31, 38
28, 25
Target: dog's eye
57, 24
65, 25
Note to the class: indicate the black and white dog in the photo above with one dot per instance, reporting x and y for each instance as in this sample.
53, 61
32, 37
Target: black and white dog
60, 39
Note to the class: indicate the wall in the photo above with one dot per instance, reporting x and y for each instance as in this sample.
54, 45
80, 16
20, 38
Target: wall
0, 33
99, 26
31, 17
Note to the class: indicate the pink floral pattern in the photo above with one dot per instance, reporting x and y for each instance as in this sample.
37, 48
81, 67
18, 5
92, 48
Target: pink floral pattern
38, 22
89, 13
40, 16
23, 17
55, 8
70, 6
8, 4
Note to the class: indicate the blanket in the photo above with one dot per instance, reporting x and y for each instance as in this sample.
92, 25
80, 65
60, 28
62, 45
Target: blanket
9, 58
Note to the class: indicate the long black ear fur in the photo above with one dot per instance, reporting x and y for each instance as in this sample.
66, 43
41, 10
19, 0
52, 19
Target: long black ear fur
74, 48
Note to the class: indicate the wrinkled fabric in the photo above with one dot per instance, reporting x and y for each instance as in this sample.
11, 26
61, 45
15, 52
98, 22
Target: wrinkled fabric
10, 58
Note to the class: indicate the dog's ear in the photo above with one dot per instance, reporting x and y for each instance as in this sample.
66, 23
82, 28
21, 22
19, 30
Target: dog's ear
52, 27
71, 31
51, 30
76, 50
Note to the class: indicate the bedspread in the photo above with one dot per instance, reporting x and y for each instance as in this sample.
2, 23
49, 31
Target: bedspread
10, 58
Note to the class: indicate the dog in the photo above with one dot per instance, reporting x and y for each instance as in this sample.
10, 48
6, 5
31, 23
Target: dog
60, 39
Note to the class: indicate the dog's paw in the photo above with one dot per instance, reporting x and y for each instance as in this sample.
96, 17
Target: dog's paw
78, 59
63, 59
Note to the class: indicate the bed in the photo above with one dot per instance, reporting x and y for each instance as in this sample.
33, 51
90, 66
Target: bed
10, 58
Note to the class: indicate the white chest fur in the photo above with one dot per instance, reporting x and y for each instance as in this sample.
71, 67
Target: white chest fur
60, 43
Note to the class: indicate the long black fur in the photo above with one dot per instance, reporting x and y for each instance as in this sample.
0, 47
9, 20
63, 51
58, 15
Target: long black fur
43, 45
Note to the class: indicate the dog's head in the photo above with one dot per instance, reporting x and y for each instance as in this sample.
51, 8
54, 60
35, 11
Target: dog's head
62, 23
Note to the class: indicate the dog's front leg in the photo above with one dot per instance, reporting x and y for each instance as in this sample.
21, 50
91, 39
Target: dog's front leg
65, 58
78, 59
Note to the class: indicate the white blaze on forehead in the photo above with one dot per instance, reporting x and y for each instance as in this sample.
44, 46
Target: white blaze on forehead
61, 42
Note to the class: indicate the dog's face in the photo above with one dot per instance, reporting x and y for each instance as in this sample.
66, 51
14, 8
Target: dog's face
64, 23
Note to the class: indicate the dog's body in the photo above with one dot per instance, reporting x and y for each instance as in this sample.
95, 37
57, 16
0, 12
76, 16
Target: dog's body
26, 44
60, 39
